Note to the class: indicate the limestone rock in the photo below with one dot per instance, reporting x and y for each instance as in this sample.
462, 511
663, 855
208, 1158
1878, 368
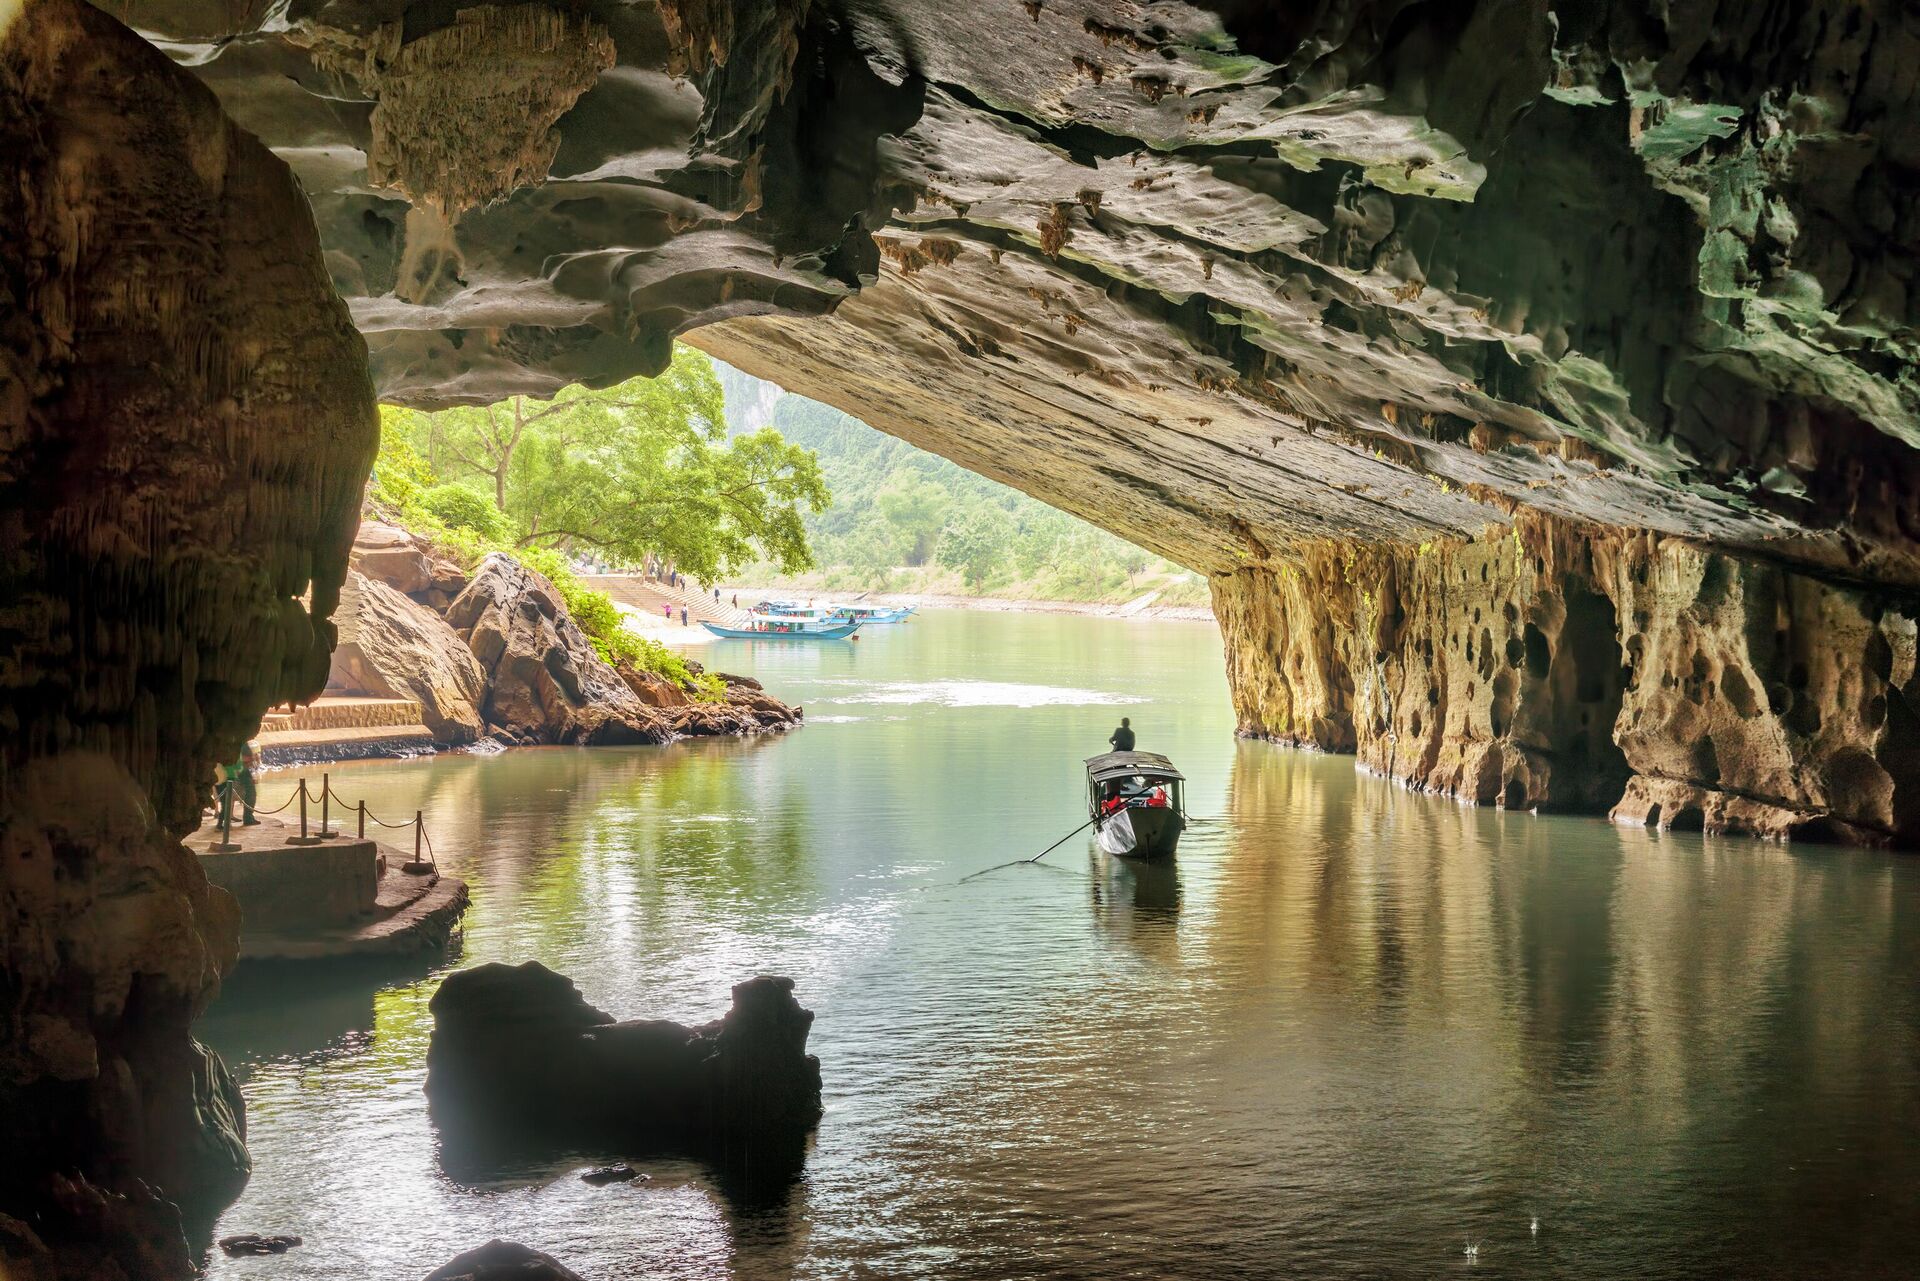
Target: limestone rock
503, 1261
1569, 667
651, 688
391, 556
517, 1050
186, 425
543, 677
392, 648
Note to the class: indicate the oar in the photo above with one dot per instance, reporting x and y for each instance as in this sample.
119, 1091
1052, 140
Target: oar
1035, 859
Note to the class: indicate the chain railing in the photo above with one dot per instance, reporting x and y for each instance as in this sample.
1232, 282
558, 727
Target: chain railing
226, 794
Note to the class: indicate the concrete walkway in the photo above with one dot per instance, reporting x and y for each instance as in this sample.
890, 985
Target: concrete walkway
338, 899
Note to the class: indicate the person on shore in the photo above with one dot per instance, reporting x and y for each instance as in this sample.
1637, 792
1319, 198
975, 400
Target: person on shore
1122, 738
683, 616
736, 600
239, 780
666, 612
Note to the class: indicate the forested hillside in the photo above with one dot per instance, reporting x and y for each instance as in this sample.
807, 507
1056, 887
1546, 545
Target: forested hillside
905, 519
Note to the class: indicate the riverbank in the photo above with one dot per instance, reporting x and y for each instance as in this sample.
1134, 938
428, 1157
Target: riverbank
1143, 605
434, 657
1173, 594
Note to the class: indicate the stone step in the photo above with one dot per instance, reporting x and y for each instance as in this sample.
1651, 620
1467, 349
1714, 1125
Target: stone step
337, 712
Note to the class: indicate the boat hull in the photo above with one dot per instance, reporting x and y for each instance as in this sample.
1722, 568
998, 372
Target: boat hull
1143, 831
840, 632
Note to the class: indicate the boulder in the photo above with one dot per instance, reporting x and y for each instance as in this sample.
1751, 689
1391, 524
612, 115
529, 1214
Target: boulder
391, 556
544, 678
517, 1052
499, 1260
652, 688
391, 647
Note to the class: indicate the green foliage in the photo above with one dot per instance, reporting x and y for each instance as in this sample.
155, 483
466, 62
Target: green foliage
975, 544
400, 474
459, 507
641, 470
897, 506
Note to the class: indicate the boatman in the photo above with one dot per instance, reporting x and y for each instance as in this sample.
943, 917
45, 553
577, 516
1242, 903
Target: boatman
1122, 739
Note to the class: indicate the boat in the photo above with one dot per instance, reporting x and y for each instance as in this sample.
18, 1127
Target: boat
785, 627
878, 613
1137, 803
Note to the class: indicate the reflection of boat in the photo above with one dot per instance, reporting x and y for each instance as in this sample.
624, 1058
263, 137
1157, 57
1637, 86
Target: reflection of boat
1135, 799
785, 627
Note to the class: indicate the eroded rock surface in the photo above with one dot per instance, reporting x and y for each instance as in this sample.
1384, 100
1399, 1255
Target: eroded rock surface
545, 683
393, 647
185, 425
1239, 283
1578, 668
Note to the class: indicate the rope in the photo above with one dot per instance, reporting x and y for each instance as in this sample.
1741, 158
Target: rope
349, 807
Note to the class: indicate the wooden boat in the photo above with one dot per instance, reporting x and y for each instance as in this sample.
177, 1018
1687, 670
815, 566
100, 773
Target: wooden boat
784, 627
1137, 803
878, 613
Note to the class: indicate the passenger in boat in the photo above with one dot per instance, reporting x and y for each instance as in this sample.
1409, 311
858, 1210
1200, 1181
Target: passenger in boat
1157, 798
1122, 738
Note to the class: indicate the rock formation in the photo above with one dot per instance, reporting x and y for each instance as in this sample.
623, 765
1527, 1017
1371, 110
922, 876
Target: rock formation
518, 1054
503, 1261
391, 647
1241, 284
185, 425
545, 683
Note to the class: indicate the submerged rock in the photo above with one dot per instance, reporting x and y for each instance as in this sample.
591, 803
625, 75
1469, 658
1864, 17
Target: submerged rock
544, 679
517, 1051
611, 1174
251, 1243
503, 1261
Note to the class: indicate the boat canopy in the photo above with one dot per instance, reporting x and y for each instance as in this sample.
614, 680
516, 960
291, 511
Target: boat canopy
1122, 764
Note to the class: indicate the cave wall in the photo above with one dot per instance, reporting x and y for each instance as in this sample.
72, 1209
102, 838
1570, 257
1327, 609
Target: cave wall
186, 422
1582, 668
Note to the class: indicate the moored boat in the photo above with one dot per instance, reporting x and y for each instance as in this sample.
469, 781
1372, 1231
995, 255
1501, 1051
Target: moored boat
784, 627
1137, 802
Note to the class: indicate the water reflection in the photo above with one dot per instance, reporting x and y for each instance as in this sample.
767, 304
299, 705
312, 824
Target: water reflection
1347, 1030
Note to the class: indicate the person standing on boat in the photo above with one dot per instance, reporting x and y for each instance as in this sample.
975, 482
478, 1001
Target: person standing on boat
1122, 738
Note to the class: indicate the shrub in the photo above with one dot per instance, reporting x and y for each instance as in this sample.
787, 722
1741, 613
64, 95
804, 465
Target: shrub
458, 507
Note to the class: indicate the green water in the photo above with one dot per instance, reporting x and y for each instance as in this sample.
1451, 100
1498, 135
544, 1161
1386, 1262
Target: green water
1349, 1031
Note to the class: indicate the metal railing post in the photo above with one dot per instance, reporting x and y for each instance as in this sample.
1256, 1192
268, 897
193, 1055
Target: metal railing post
326, 795
226, 813
363, 820
418, 827
303, 809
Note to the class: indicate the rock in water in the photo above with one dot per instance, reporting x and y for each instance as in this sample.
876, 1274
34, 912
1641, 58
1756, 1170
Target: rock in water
611, 1174
253, 1243
545, 678
503, 1261
517, 1052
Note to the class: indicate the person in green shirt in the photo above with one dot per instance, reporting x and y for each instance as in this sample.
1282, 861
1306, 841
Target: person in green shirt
240, 775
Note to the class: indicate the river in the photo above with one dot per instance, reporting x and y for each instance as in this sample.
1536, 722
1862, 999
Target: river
1350, 1032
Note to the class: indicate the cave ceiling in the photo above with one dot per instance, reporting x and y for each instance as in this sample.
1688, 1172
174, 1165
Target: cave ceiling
1222, 279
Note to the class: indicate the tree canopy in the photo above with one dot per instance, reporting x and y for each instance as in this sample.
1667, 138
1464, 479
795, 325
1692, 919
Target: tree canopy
641, 470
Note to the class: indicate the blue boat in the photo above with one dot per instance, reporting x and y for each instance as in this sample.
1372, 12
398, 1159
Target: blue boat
783, 628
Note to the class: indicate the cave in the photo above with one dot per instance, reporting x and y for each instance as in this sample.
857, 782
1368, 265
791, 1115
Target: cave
1588, 324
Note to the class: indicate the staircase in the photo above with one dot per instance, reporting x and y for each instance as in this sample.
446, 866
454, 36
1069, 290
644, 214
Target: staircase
650, 597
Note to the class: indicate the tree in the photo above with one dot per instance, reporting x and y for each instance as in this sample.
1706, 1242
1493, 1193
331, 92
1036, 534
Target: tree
975, 544
918, 510
642, 469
